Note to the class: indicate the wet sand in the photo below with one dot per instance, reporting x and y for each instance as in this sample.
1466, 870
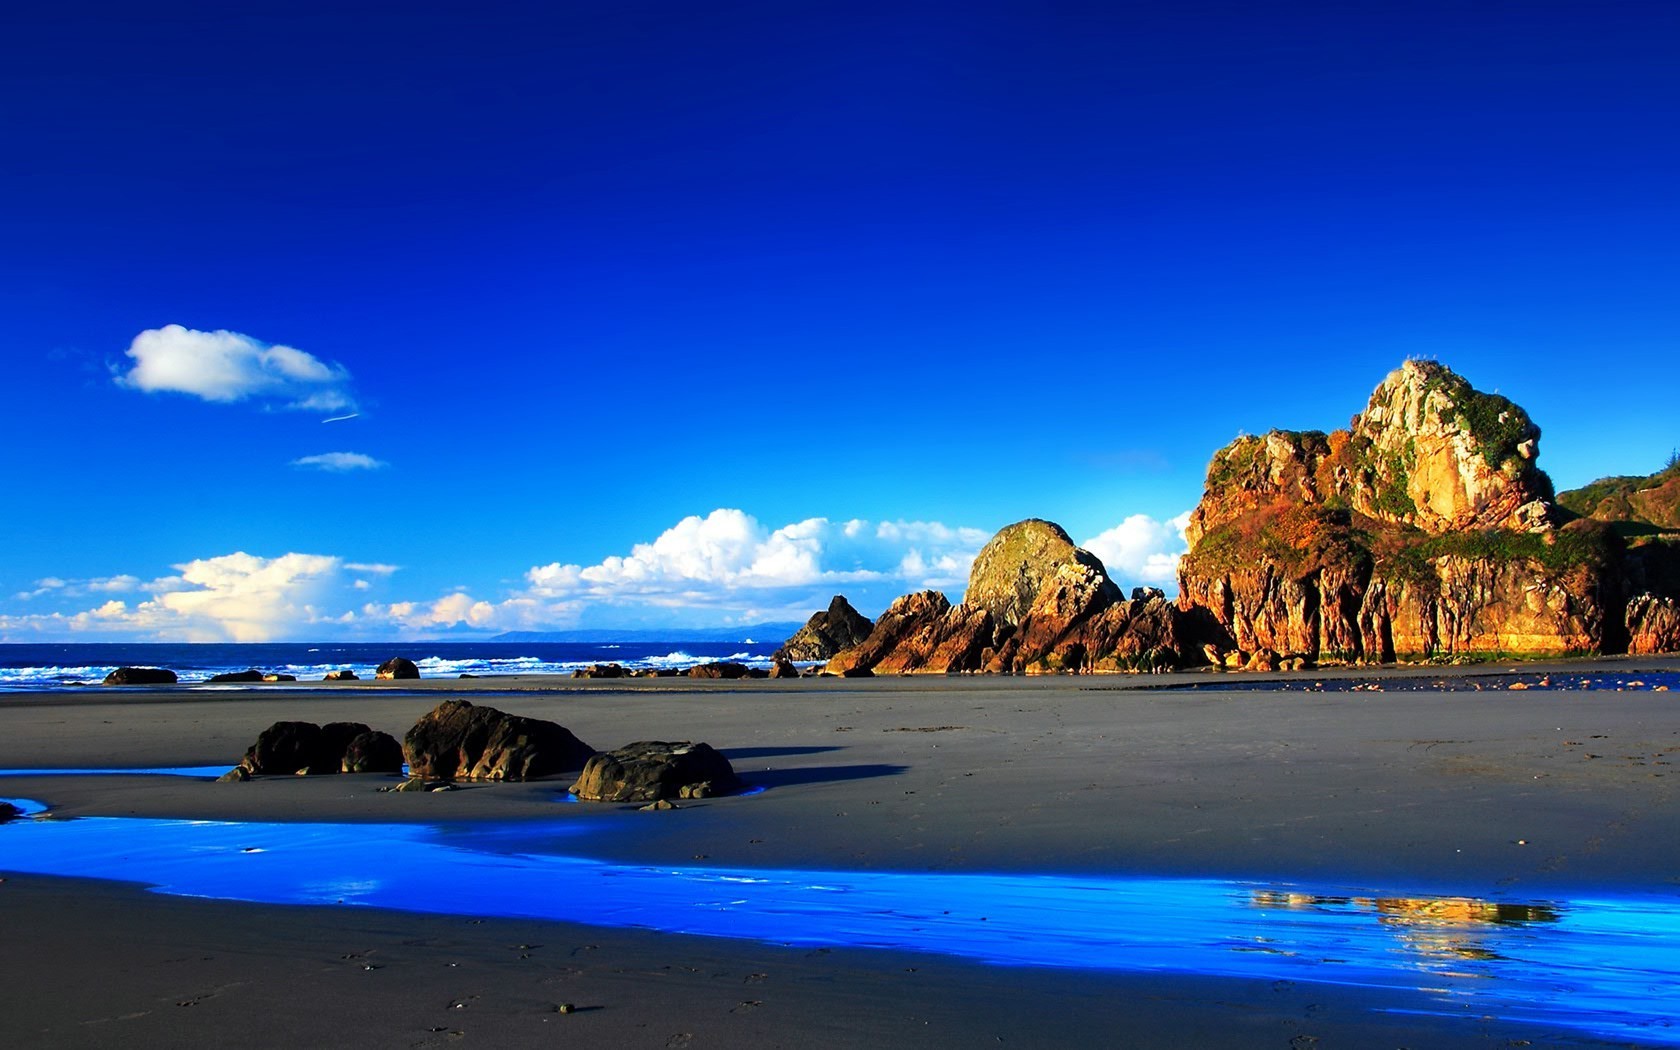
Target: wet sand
1506, 796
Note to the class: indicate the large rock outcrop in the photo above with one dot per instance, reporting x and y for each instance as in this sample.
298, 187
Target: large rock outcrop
650, 770
1036, 603
1653, 625
838, 627
397, 667
457, 740
1424, 530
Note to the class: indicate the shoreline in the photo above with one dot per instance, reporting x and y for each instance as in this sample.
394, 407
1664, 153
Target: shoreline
1393, 793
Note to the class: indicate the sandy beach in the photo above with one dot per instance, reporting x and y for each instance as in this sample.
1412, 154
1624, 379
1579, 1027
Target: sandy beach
1499, 797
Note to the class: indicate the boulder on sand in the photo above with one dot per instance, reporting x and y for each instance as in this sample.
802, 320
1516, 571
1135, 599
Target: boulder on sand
601, 671
341, 676
397, 667
650, 770
372, 752
253, 675
141, 676
457, 740
720, 669
285, 748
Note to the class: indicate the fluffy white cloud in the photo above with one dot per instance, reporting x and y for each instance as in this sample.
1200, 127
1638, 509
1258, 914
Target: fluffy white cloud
226, 366
729, 558
234, 597
1142, 550
339, 462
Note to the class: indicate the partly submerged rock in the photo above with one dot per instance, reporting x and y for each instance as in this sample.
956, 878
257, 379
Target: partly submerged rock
341, 676
253, 675
650, 770
397, 667
9, 812
459, 740
141, 676
838, 627
783, 668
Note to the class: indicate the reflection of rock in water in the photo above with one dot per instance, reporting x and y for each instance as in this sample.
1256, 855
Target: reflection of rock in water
1434, 927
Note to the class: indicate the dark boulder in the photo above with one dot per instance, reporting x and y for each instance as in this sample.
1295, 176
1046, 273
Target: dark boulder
920, 633
372, 752
457, 740
341, 676
650, 770
397, 667
826, 633
9, 812
275, 676
285, 748
141, 676
783, 668
252, 675
720, 669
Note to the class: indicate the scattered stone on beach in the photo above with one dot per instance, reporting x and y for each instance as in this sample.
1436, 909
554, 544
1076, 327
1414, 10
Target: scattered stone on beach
838, 627
277, 677
411, 784
372, 752
141, 676
600, 671
663, 803
234, 775
783, 668
397, 667
651, 770
253, 675
341, 676
720, 669
457, 740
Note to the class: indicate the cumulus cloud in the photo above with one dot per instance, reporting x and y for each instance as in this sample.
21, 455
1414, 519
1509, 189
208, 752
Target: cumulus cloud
339, 462
730, 558
1142, 550
235, 597
226, 366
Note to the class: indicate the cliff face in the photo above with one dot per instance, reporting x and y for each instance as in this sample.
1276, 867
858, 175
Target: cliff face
1423, 530
1036, 603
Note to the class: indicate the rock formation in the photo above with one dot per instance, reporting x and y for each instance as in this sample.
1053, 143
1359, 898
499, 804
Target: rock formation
253, 675
287, 748
1036, 603
650, 770
397, 667
9, 812
600, 671
457, 740
341, 676
723, 669
1653, 625
1423, 530
838, 627
141, 676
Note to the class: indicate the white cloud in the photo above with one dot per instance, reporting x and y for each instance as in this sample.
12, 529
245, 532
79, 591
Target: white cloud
339, 462
1142, 550
226, 366
373, 568
234, 597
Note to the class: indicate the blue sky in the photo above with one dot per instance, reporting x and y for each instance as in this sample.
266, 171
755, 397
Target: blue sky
647, 314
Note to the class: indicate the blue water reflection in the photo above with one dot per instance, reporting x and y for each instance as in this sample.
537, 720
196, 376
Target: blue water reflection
1610, 966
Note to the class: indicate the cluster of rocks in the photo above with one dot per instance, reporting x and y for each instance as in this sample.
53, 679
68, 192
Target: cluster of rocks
781, 668
1036, 603
458, 740
395, 668
307, 749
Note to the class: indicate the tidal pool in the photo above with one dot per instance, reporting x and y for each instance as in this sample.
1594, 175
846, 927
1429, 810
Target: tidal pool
1610, 966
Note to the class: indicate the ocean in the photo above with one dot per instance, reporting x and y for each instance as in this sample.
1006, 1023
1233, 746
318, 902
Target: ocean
25, 667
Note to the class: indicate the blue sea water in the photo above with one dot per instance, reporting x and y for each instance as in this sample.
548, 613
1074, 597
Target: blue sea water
53, 666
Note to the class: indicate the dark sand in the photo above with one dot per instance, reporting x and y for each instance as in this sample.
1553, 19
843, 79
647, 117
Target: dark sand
1537, 795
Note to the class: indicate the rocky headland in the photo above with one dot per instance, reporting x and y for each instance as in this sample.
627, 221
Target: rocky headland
1424, 531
